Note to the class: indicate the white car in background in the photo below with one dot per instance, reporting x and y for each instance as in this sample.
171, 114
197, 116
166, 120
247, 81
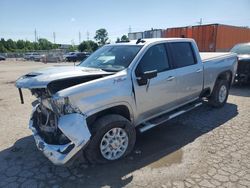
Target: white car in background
33, 56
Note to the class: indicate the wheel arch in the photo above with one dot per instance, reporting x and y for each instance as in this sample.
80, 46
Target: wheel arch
225, 75
120, 109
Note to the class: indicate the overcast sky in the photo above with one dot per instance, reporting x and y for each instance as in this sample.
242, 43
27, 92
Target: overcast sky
20, 18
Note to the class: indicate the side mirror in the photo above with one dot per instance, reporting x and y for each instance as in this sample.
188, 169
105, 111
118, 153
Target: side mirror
144, 77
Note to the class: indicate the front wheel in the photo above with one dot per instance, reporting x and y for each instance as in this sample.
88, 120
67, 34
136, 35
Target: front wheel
113, 138
220, 93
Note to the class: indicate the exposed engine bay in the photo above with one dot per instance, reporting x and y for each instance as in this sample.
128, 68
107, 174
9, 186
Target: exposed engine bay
47, 114
46, 123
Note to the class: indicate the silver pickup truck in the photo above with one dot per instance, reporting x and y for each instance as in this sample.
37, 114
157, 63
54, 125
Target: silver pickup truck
97, 106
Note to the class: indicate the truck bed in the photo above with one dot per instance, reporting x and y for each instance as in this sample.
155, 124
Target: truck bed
207, 56
215, 63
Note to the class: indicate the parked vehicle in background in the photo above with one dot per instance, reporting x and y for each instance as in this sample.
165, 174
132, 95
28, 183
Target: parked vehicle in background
52, 57
67, 55
97, 106
76, 56
33, 56
243, 70
2, 58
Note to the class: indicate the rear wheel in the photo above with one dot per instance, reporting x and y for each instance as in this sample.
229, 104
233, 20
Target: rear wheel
113, 138
220, 93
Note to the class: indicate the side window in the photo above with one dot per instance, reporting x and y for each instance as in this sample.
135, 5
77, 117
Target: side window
182, 53
154, 59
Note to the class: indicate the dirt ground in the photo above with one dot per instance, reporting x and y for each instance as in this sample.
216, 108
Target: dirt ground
203, 148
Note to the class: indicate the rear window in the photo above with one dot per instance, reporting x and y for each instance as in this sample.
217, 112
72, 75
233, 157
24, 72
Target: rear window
182, 54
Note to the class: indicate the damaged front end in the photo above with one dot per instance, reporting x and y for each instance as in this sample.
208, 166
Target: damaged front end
59, 129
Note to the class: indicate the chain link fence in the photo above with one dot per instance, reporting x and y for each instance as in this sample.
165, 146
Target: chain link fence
55, 55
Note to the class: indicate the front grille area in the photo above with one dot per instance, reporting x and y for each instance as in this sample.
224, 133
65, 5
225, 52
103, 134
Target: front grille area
243, 67
45, 121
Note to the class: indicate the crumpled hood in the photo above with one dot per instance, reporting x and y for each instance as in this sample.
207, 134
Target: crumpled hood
41, 78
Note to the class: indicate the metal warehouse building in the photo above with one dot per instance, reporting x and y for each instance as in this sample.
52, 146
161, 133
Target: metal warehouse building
213, 37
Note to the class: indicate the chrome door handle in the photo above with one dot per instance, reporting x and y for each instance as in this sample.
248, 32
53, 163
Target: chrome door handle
170, 78
198, 70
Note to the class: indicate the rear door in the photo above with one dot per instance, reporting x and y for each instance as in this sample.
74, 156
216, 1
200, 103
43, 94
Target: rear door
189, 72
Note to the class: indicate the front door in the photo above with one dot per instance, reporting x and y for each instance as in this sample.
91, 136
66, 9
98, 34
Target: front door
159, 94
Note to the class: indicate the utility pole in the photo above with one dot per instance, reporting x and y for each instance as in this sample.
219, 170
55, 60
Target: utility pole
200, 22
54, 36
87, 35
35, 36
129, 29
80, 40
72, 42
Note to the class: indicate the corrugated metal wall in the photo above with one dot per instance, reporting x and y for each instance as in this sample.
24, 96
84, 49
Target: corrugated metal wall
228, 36
211, 38
180, 32
205, 37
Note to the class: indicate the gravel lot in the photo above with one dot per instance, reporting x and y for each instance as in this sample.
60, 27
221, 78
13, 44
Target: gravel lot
204, 148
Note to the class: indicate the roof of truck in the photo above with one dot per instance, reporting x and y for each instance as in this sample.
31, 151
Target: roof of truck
153, 40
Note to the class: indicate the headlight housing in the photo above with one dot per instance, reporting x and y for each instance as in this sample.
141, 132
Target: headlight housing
63, 106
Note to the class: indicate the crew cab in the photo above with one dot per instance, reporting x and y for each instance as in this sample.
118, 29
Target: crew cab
96, 107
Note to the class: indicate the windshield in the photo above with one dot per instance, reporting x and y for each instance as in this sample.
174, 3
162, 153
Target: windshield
111, 58
241, 49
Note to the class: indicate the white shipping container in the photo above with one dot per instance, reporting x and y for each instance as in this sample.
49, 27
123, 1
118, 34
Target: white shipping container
135, 36
157, 33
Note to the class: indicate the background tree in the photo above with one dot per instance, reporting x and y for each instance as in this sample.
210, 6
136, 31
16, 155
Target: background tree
88, 46
118, 40
101, 36
72, 48
44, 44
10, 45
2, 46
29, 46
124, 38
20, 44
24, 46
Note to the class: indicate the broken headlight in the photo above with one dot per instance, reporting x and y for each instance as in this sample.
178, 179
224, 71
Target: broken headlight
64, 106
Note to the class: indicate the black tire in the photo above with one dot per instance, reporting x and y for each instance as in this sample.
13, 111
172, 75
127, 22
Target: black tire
214, 100
99, 128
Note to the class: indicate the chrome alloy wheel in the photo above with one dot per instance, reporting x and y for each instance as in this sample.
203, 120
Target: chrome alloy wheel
222, 94
114, 143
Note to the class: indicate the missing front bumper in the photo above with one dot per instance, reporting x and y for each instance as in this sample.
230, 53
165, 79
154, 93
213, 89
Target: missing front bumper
73, 126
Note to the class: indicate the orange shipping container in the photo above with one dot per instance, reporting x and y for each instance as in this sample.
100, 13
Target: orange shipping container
213, 37
228, 36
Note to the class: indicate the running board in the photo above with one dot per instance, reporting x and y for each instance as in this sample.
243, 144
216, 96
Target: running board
165, 117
